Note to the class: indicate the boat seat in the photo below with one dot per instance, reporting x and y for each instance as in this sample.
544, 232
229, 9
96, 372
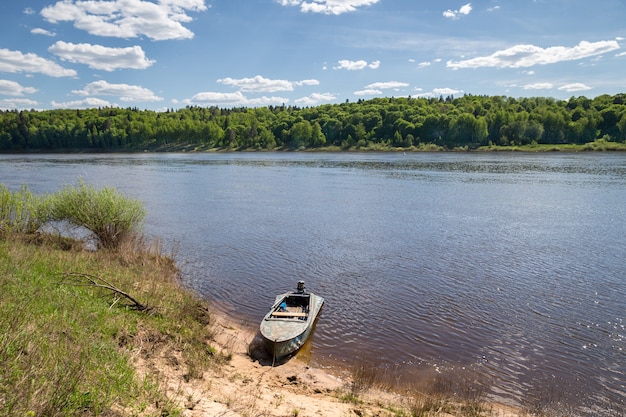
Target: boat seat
288, 314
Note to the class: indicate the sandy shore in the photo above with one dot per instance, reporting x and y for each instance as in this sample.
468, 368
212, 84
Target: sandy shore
247, 387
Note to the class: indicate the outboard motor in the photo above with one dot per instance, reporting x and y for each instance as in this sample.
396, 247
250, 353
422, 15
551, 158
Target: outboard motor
300, 287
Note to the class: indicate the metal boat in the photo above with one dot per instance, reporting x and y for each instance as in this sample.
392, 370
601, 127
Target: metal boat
289, 322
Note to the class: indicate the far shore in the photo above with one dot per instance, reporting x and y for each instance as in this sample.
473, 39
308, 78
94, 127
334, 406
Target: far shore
600, 145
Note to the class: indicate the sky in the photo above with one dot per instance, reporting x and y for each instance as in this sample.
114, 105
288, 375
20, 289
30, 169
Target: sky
168, 54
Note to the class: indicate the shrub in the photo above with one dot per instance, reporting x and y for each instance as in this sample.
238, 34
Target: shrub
21, 211
109, 215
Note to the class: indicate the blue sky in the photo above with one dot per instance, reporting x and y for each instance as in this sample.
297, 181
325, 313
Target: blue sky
164, 54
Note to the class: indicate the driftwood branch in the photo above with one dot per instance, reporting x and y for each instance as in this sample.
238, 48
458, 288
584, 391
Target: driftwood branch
80, 278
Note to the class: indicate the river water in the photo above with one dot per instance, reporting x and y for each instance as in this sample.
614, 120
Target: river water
511, 266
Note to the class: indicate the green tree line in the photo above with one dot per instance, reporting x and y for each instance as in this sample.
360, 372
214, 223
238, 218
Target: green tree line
468, 121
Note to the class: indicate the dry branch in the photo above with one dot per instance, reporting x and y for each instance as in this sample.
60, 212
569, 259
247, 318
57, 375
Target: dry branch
80, 278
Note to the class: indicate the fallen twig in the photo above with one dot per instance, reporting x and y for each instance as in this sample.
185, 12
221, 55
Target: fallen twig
80, 278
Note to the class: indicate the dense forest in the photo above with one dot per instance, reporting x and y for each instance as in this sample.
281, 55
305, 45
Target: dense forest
465, 122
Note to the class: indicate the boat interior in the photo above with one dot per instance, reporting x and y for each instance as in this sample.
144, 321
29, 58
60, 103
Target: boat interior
293, 306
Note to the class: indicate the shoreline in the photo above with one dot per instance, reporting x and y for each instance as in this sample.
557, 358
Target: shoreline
599, 145
248, 384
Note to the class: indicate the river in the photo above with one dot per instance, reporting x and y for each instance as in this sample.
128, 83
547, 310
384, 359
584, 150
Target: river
510, 266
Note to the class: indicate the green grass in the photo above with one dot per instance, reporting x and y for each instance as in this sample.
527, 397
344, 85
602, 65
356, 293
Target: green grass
66, 348
599, 145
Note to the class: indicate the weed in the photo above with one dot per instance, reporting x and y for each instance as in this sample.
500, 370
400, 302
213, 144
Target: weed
364, 375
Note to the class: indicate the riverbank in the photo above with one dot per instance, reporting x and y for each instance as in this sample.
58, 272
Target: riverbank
250, 386
74, 342
599, 145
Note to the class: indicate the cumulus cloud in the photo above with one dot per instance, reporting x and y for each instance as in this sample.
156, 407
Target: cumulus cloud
17, 104
446, 91
456, 14
16, 61
538, 86
102, 57
368, 92
335, 7
40, 31
127, 18
11, 88
306, 82
423, 64
125, 92
570, 88
83, 104
386, 85
314, 99
436, 92
529, 55
232, 99
356, 65
258, 84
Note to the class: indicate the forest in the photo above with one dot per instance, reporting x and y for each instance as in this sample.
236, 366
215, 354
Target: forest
466, 122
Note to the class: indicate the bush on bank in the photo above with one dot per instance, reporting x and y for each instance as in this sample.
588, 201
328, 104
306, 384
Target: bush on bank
108, 214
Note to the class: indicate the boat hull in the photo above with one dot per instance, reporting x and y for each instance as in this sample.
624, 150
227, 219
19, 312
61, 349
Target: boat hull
285, 335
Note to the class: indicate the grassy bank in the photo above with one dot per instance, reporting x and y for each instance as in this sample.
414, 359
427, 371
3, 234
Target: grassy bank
66, 344
73, 320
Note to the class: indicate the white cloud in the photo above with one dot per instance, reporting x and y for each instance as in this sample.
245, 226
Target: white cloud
446, 91
538, 86
232, 99
335, 7
621, 54
16, 61
436, 92
40, 31
102, 57
574, 87
17, 104
356, 65
125, 92
493, 9
386, 85
423, 64
11, 88
368, 92
83, 104
29, 10
258, 84
456, 14
530, 55
314, 99
307, 82
127, 18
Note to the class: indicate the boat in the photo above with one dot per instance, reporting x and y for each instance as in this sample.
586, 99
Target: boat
290, 321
